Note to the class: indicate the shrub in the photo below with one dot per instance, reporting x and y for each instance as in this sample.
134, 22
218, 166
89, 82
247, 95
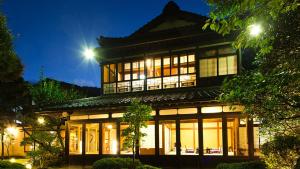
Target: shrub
243, 165
9, 165
116, 163
282, 152
147, 167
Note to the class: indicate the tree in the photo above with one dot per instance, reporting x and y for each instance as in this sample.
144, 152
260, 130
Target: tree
136, 118
44, 131
13, 90
270, 90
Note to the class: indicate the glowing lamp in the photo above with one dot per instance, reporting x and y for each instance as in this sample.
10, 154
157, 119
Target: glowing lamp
12, 130
28, 166
255, 29
12, 160
89, 53
41, 120
148, 62
109, 126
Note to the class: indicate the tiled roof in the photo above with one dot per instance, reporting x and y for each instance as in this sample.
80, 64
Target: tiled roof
156, 97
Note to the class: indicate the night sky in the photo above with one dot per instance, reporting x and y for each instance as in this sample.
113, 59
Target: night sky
52, 33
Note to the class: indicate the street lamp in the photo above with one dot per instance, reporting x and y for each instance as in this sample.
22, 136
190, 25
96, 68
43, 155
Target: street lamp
89, 53
255, 29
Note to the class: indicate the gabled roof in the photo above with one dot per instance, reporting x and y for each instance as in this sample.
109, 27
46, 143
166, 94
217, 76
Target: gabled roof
155, 97
172, 17
172, 22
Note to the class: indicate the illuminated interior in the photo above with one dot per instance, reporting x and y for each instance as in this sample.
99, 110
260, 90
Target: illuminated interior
75, 145
92, 138
167, 137
153, 73
189, 137
109, 138
147, 146
212, 136
237, 137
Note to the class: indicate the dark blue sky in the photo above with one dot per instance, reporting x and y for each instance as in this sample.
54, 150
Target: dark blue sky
52, 33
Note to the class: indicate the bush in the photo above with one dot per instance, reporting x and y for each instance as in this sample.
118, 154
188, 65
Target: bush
243, 165
9, 165
116, 163
147, 167
282, 152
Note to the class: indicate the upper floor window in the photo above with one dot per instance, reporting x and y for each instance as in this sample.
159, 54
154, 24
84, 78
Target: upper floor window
218, 62
153, 67
187, 64
109, 73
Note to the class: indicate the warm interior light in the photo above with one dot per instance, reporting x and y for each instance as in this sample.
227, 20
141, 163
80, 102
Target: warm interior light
109, 126
114, 147
89, 53
13, 131
214, 109
41, 120
255, 29
148, 62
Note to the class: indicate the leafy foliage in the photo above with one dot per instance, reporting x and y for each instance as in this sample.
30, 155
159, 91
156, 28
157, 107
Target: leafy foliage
49, 144
9, 165
136, 117
49, 92
10, 66
270, 91
46, 136
282, 152
147, 167
13, 89
243, 165
116, 163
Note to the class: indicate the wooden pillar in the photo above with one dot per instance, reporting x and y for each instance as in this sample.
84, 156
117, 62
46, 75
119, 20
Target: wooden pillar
224, 135
200, 136
100, 139
118, 137
200, 133
156, 133
83, 139
67, 140
178, 144
250, 135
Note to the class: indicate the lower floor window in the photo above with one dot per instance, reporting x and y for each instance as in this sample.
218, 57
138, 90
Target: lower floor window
92, 138
167, 137
237, 138
212, 136
75, 144
109, 138
174, 136
189, 137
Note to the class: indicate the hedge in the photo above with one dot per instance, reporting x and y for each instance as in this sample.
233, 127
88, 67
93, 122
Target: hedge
243, 165
120, 163
9, 165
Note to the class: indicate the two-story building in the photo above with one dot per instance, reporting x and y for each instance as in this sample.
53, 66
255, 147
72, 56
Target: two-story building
175, 66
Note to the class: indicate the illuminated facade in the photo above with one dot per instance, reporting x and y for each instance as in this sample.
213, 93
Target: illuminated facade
173, 65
